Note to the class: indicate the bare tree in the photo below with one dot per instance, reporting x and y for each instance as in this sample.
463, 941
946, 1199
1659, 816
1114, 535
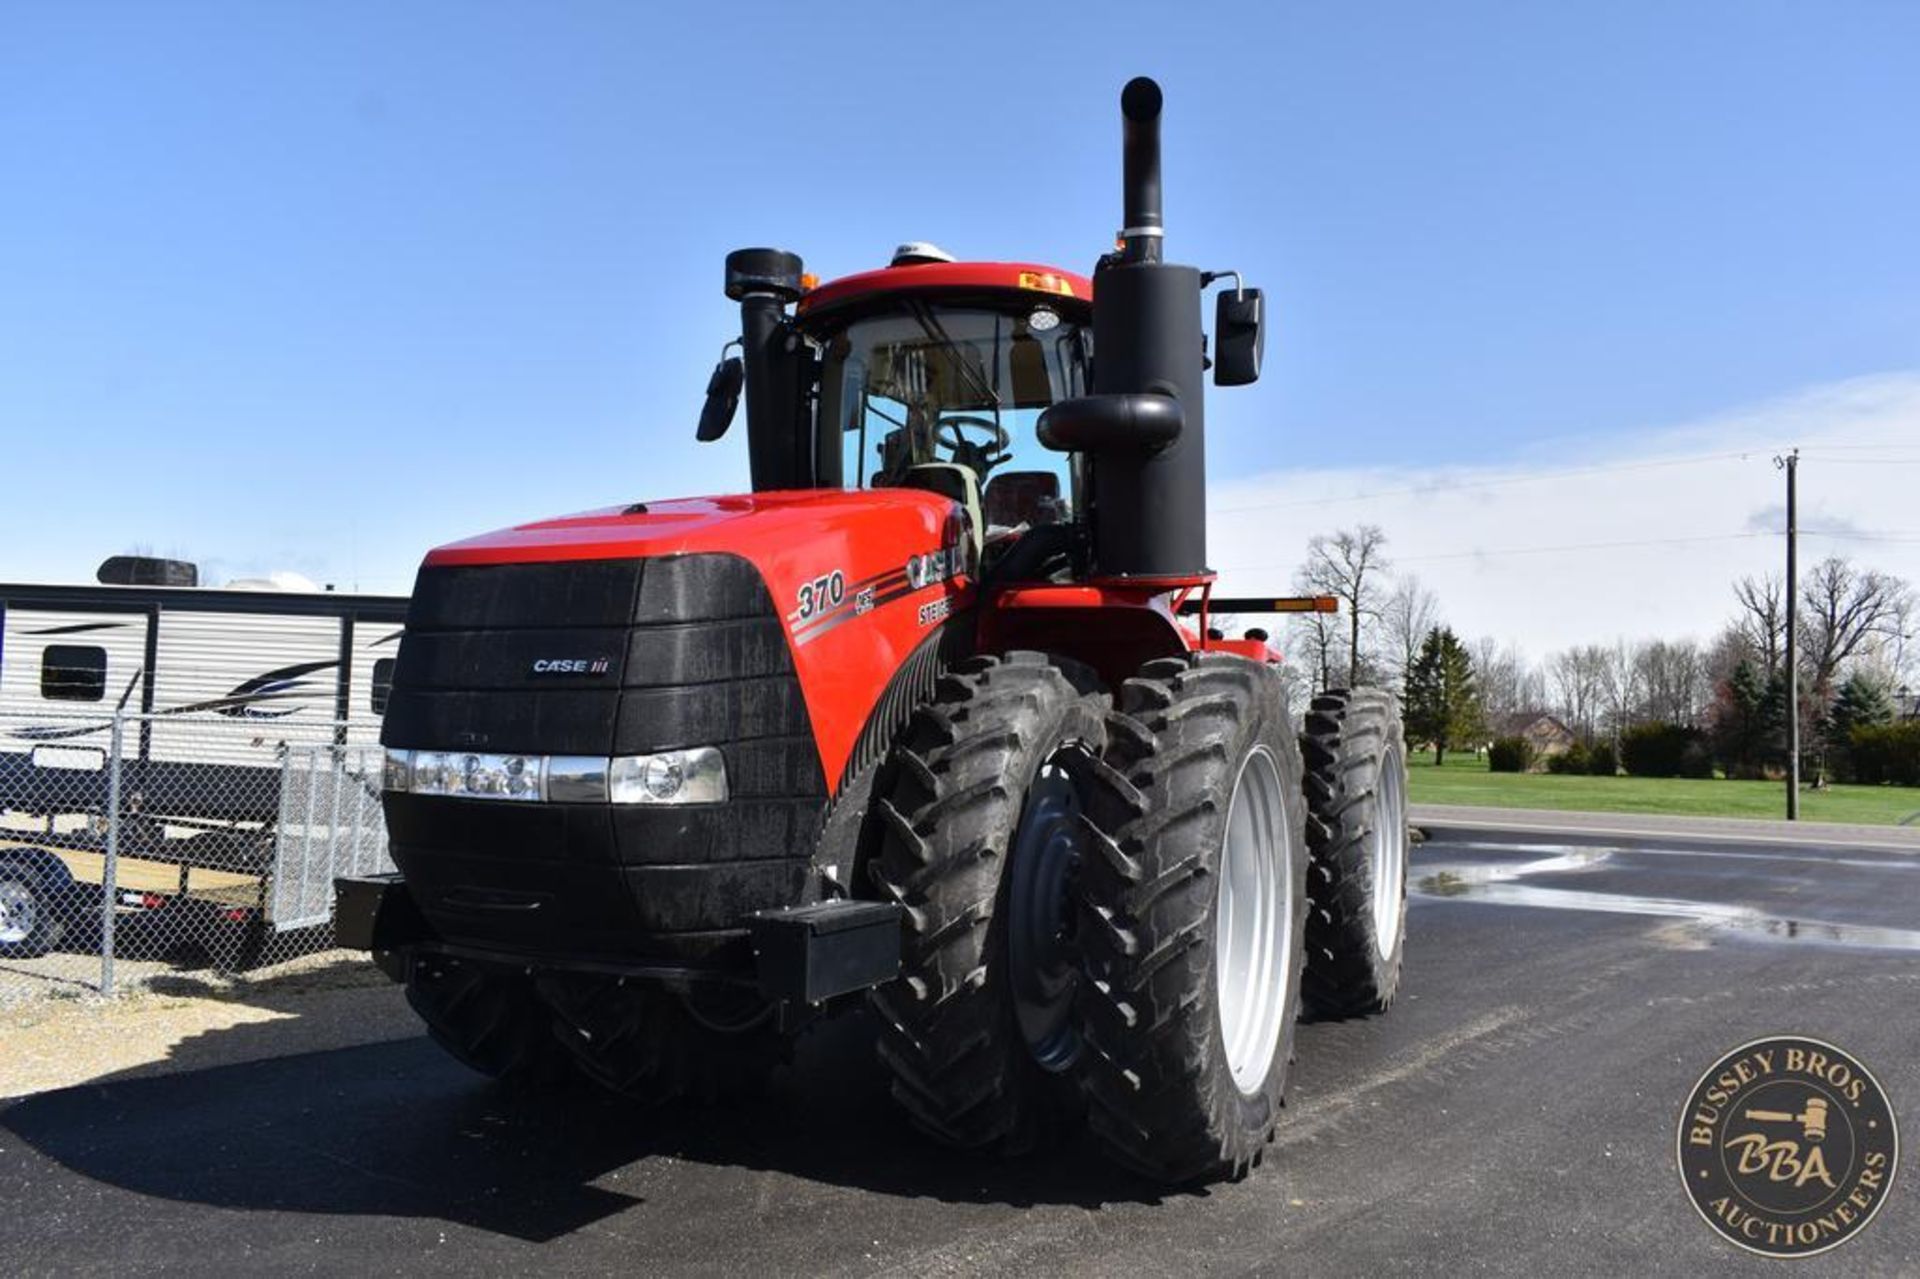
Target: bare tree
1844, 609
1409, 612
1620, 687
1763, 618
1349, 564
1316, 637
1580, 680
1898, 651
1510, 685
1673, 681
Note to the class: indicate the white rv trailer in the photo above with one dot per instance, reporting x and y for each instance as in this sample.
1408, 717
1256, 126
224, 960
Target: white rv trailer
217, 686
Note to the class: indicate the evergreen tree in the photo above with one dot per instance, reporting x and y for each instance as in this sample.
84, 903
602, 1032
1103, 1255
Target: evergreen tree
1861, 703
1443, 699
1774, 721
1742, 719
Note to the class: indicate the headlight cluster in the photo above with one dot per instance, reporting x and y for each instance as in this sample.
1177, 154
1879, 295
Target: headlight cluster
697, 775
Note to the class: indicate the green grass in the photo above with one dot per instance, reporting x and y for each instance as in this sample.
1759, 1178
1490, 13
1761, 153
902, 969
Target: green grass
1466, 780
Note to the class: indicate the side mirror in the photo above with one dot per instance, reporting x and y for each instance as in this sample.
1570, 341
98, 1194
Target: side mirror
723, 399
1103, 423
1239, 337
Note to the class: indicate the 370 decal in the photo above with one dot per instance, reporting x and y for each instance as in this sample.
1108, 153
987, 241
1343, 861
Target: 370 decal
825, 592
823, 602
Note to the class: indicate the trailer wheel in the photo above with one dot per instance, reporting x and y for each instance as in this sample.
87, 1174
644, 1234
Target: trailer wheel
979, 813
1356, 787
1193, 903
487, 1020
31, 916
650, 1045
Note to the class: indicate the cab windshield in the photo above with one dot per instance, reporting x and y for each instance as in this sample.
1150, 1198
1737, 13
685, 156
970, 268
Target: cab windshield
961, 385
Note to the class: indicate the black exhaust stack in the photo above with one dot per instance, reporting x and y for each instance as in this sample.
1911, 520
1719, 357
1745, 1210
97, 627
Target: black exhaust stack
765, 282
1144, 425
1143, 228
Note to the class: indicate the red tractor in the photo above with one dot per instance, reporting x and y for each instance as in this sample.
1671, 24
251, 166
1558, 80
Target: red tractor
916, 721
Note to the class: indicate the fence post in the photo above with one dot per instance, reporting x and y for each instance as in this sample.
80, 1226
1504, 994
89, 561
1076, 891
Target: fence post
338, 757
358, 777
110, 876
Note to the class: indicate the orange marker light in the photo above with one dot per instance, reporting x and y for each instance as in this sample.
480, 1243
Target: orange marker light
1046, 282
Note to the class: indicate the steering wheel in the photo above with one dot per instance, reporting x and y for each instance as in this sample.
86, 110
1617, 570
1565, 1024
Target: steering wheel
948, 434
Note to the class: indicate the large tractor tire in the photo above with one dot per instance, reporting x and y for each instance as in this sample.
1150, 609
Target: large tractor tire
1194, 899
488, 1020
651, 1045
979, 817
1356, 786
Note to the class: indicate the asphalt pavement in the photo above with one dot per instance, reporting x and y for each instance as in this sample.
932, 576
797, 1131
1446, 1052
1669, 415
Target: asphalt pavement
1514, 1112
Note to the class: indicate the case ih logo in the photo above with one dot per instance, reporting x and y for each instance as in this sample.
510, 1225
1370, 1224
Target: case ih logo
571, 665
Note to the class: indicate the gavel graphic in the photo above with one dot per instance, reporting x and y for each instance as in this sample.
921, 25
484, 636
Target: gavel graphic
1812, 1120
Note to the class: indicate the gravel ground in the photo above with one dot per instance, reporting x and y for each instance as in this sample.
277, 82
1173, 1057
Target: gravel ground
325, 1001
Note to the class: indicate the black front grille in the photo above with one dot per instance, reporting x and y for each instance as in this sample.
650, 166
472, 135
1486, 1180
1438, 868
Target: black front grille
694, 654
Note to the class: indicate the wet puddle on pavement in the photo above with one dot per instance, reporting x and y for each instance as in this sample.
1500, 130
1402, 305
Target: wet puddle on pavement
1504, 885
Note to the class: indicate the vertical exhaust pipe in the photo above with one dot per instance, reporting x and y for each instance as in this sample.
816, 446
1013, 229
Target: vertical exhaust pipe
1142, 228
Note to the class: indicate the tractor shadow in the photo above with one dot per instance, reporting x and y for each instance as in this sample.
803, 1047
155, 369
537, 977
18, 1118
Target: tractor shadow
395, 1129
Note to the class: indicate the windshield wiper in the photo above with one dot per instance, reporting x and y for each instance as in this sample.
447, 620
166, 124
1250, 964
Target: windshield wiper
923, 315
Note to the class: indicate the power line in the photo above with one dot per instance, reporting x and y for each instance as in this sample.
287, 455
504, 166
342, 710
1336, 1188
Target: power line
1851, 448
1864, 535
1870, 461
1543, 550
1500, 482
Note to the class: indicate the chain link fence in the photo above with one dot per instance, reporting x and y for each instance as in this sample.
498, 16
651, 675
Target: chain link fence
135, 845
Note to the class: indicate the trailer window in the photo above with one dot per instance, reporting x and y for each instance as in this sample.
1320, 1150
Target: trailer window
381, 687
73, 673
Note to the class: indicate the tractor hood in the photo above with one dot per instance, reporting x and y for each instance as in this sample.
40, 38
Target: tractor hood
815, 523
858, 582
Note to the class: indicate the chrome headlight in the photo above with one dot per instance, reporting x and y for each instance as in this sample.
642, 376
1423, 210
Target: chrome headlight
398, 772
695, 775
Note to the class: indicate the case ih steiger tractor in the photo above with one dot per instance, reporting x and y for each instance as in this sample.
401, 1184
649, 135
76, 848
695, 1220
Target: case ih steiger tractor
918, 720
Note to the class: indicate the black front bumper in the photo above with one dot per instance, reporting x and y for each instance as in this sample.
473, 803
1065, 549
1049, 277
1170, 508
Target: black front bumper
799, 955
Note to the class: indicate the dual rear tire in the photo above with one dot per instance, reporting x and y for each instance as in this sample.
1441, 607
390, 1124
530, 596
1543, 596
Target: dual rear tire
1355, 753
1151, 937
1193, 912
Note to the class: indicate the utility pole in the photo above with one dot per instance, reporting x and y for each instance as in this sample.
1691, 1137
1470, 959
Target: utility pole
1791, 465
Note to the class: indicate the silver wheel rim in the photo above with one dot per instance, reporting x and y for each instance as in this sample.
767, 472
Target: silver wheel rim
19, 912
1388, 853
1253, 914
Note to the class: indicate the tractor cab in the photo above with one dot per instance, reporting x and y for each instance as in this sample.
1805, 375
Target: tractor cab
932, 374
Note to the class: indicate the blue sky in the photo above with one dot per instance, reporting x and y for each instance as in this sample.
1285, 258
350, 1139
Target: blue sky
318, 286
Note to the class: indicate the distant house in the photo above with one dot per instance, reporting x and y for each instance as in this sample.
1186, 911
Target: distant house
1545, 733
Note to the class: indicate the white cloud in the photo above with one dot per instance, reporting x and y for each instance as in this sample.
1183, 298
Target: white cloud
1641, 537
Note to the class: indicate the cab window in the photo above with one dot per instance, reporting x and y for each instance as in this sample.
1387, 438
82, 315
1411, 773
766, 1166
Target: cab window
957, 385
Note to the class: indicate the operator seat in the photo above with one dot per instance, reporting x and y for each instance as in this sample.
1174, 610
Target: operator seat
1013, 498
